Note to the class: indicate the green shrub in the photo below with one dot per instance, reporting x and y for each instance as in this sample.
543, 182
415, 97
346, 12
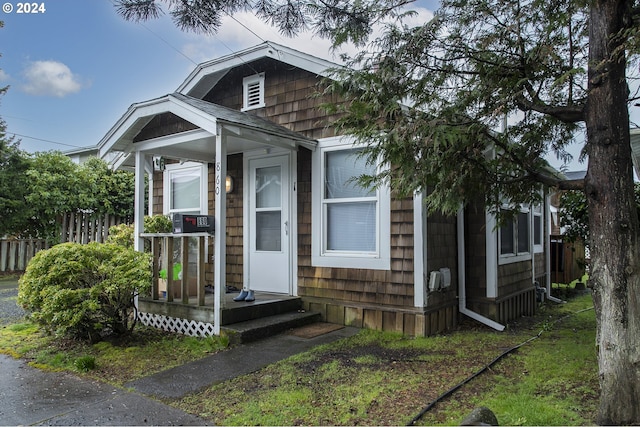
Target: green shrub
123, 234
85, 291
158, 224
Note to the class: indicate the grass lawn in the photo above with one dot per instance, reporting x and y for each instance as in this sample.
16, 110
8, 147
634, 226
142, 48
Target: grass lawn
379, 378
373, 378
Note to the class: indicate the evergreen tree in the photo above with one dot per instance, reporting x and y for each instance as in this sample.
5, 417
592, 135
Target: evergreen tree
492, 85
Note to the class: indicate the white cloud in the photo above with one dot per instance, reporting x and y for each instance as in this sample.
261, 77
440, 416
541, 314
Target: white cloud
3, 76
245, 30
50, 78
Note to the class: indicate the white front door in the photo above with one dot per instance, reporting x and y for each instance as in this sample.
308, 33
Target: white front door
269, 225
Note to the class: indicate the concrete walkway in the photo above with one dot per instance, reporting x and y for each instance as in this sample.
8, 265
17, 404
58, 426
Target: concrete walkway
243, 359
29, 396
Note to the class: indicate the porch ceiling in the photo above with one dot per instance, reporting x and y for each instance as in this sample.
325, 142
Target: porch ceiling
240, 131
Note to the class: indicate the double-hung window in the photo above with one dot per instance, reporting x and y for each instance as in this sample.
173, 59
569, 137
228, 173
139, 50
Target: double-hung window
515, 237
185, 188
350, 223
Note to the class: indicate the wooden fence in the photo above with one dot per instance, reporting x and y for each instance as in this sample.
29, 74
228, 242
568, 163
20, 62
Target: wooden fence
75, 227
84, 228
16, 253
568, 259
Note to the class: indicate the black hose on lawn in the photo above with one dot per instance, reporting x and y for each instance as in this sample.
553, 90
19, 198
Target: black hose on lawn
482, 370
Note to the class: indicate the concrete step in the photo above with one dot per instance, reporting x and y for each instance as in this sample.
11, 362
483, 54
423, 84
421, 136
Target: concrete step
265, 305
263, 327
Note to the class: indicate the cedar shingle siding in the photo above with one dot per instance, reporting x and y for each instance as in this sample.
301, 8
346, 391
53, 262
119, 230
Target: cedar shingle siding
365, 298
516, 292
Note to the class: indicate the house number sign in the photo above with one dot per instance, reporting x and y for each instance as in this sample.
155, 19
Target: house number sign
218, 179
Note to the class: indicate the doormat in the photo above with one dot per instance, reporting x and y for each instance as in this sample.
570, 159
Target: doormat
315, 329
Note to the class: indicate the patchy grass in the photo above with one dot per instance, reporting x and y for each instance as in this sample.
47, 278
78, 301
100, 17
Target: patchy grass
379, 378
115, 361
145, 352
373, 378
551, 381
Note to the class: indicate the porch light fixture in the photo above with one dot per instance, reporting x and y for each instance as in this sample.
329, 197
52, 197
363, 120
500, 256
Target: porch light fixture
228, 182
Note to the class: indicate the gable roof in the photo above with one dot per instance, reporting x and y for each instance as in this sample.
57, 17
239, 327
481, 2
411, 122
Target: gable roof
241, 129
207, 74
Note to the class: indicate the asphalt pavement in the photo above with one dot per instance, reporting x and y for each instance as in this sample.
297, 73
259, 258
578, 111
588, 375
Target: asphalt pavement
29, 396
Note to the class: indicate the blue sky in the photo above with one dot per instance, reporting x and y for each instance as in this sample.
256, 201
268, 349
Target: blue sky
74, 69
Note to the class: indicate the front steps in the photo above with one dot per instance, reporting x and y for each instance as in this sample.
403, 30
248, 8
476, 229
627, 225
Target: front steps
268, 315
263, 327
242, 322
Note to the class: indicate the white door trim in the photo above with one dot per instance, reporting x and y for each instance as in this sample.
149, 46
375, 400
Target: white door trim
292, 239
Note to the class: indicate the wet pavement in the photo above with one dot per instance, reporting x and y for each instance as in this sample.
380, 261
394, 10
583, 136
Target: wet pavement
29, 396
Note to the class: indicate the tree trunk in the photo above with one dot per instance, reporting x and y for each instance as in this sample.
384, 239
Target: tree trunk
613, 221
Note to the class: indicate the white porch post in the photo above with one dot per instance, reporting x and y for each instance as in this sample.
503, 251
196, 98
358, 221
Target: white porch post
138, 206
220, 244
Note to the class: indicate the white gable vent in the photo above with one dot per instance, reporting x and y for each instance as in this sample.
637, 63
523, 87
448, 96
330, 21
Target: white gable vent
253, 92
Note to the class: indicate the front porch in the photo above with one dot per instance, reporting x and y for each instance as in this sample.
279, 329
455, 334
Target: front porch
187, 303
243, 321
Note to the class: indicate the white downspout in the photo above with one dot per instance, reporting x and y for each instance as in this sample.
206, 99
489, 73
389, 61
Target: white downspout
462, 298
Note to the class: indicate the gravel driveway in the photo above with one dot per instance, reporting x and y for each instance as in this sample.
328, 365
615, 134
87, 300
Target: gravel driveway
9, 310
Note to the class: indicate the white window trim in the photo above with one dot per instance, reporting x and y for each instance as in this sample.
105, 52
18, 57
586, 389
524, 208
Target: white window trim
381, 259
166, 190
537, 248
517, 256
246, 83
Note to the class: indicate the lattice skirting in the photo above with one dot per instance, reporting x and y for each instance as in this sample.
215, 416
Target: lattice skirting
174, 324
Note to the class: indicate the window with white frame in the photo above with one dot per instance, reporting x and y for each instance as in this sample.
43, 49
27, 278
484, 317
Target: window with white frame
538, 229
253, 92
350, 224
515, 237
185, 188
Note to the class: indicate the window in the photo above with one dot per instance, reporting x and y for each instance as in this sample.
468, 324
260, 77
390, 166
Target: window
253, 92
349, 210
538, 229
185, 188
350, 224
515, 237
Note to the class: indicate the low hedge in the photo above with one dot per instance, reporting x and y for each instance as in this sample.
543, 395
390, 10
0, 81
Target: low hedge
85, 291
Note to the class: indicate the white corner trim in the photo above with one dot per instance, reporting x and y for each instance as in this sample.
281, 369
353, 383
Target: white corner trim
491, 255
419, 251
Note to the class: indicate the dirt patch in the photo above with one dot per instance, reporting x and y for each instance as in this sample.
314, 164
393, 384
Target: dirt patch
370, 355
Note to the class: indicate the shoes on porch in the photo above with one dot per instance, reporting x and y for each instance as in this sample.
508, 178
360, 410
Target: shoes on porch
241, 296
250, 297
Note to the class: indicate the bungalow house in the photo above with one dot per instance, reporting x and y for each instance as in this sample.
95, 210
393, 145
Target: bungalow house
243, 141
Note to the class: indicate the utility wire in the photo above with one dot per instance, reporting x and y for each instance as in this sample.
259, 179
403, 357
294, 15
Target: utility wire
161, 38
46, 140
